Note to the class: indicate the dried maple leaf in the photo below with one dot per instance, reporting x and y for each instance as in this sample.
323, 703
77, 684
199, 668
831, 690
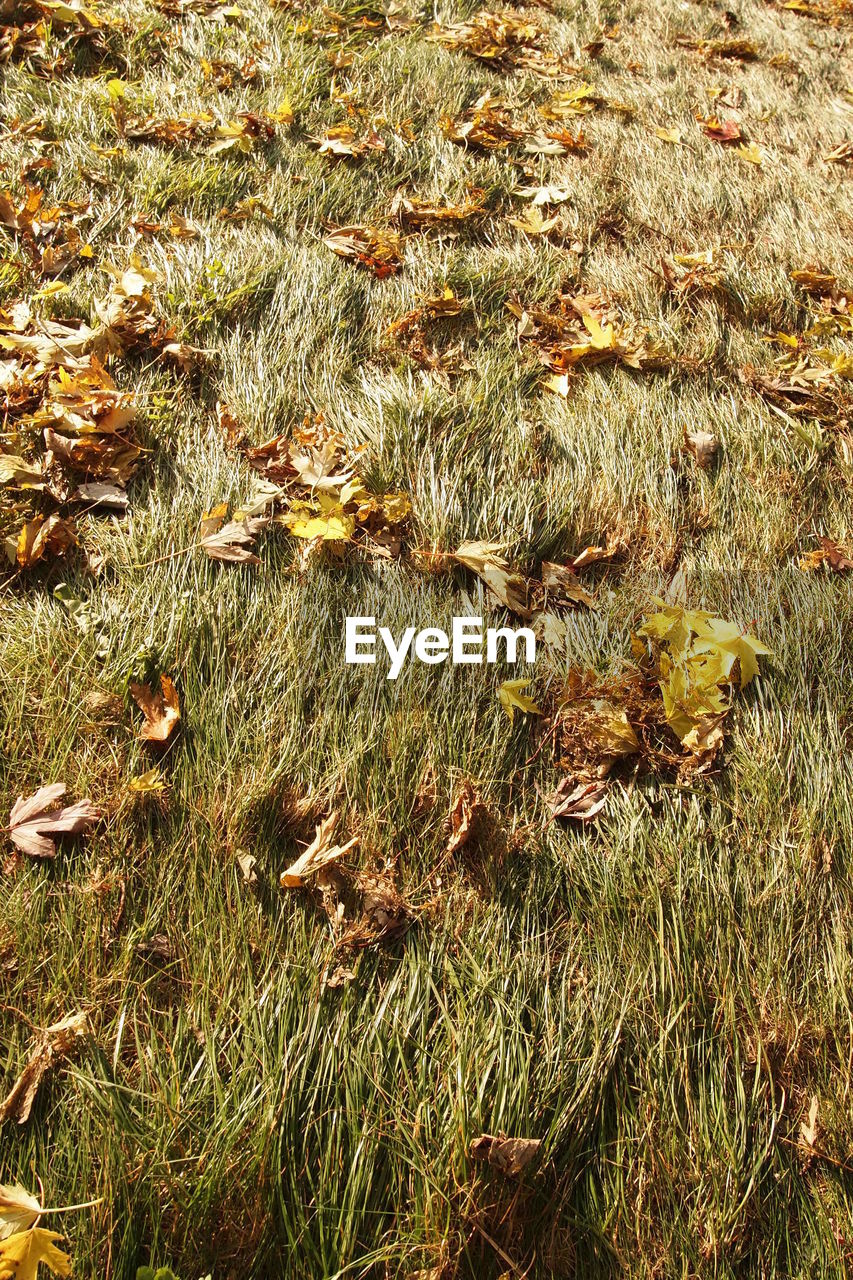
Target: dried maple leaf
127, 312
506, 41
485, 560
580, 800
723, 131
466, 813
319, 854
233, 541
374, 248
161, 709
417, 215
52, 1045
829, 553
487, 124
32, 822
341, 141
703, 445
51, 535
814, 281
563, 587
509, 1156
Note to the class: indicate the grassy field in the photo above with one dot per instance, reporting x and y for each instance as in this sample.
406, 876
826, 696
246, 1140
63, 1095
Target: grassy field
662, 996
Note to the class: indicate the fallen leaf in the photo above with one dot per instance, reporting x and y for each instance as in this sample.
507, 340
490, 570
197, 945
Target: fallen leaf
703, 445
580, 800
809, 1125
52, 1045
33, 821
508, 1155
466, 812
750, 151
723, 131
146, 783
161, 709
21, 1254
232, 541
511, 698
534, 223
672, 135
563, 586
320, 853
829, 553
18, 1210
510, 588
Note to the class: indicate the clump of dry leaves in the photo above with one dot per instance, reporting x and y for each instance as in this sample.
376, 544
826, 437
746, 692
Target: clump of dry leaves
319, 497
374, 248
583, 330
665, 711
506, 41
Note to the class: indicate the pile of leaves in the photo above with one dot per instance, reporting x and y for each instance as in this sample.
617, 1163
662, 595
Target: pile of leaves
411, 331
489, 125
415, 214
505, 41
47, 233
56, 392
810, 384
583, 330
242, 133
312, 483
363, 907
691, 275
666, 711
44, 33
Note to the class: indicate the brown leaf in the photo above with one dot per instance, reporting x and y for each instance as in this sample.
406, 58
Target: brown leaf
829, 553
53, 1044
466, 813
703, 445
32, 822
580, 800
41, 537
320, 853
508, 1155
161, 709
723, 131
509, 587
232, 541
563, 587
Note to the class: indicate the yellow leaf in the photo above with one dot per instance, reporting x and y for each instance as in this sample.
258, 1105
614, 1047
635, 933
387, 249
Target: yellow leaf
21, 1254
672, 135
115, 88
152, 780
511, 698
283, 113
602, 338
750, 151
558, 383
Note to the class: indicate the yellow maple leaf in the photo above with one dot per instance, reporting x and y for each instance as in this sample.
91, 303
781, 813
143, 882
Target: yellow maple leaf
512, 699
21, 1254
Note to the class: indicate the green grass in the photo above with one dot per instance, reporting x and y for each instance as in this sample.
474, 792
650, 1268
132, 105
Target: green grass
657, 996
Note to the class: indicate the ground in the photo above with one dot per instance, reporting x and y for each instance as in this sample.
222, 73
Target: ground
661, 995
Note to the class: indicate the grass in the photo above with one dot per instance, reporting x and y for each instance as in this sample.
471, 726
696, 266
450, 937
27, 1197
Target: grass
657, 996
